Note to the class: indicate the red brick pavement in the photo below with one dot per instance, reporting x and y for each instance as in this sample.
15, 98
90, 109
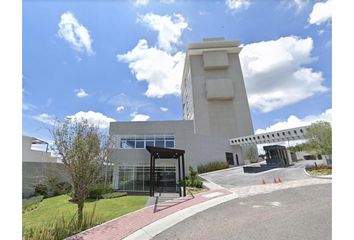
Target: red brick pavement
123, 226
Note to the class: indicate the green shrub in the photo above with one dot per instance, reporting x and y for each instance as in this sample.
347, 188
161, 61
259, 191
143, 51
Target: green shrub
62, 228
114, 195
212, 166
31, 203
96, 192
41, 189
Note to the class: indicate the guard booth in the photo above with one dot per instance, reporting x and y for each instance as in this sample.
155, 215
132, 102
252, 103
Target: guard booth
276, 155
163, 181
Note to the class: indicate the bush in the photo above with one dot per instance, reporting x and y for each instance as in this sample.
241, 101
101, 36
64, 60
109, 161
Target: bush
41, 189
212, 166
61, 228
62, 188
97, 191
31, 203
114, 195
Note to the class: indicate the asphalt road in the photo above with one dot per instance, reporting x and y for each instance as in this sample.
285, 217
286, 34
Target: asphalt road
235, 177
296, 213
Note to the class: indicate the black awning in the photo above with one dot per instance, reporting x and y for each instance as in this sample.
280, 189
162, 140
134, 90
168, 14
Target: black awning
158, 152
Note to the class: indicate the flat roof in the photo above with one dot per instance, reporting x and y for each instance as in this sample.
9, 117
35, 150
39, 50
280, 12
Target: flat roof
159, 152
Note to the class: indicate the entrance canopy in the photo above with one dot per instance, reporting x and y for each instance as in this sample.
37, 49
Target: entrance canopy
166, 153
158, 152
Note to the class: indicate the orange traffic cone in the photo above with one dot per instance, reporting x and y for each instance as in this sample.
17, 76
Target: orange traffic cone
275, 181
263, 182
279, 181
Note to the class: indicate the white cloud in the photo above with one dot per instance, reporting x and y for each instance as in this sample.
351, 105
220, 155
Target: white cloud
74, 33
161, 70
235, 5
138, 3
45, 118
167, 1
293, 121
275, 75
321, 12
139, 117
298, 4
28, 106
164, 109
120, 108
169, 28
96, 118
80, 93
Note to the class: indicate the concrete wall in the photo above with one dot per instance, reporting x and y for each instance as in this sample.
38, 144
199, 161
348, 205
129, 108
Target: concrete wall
219, 95
34, 173
29, 155
200, 149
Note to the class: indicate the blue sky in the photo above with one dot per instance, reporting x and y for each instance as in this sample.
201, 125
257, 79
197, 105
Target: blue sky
121, 60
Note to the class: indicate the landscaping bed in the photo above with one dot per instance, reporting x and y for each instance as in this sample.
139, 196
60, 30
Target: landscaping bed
320, 170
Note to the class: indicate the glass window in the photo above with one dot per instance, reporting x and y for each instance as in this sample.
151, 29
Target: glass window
150, 143
139, 144
171, 144
160, 143
130, 143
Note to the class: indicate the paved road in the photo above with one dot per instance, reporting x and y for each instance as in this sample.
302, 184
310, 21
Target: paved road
237, 178
297, 213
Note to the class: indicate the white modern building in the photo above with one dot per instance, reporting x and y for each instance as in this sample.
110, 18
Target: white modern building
215, 109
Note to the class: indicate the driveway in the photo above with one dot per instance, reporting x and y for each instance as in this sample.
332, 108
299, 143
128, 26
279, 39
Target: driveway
296, 213
235, 177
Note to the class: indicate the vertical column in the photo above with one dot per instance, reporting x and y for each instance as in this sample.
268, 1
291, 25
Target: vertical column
179, 176
153, 175
151, 194
183, 177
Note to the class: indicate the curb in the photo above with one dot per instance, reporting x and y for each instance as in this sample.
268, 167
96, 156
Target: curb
162, 224
322, 177
227, 169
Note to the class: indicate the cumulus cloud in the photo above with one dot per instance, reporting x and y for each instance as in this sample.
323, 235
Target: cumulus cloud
321, 13
275, 73
75, 33
138, 3
160, 69
164, 109
293, 122
139, 117
120, 108
45, 118
169, 28
96, 118
235, 5
80, 93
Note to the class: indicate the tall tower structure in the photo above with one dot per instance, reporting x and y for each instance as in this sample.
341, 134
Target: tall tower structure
213, 89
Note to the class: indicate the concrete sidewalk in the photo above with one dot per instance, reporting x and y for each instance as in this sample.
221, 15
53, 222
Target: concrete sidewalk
124, 226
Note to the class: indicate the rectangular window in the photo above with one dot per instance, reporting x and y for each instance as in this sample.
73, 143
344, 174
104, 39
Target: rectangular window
139, 142
130, 143
170, 144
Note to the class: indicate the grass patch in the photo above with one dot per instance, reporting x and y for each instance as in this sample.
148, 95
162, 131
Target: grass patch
50, 209
212, 166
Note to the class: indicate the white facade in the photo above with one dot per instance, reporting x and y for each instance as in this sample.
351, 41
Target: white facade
215, 108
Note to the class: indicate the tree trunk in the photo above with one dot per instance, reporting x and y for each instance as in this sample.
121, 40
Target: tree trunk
80, 207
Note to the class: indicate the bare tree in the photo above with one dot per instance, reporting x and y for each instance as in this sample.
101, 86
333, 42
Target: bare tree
83, 149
